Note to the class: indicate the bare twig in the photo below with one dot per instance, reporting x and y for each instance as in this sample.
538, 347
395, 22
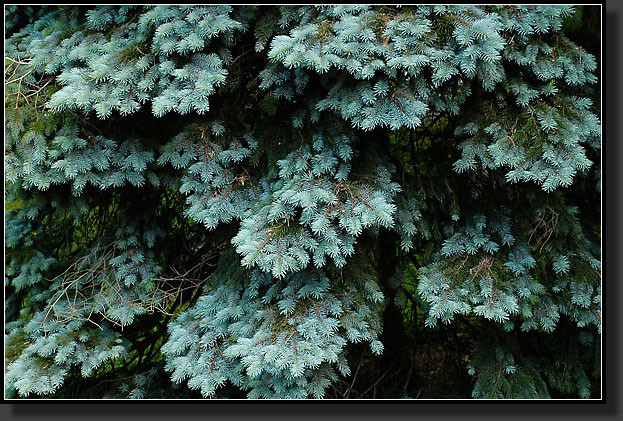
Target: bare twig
90, 286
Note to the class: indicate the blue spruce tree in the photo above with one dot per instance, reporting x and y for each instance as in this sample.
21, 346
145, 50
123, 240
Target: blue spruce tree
301, 202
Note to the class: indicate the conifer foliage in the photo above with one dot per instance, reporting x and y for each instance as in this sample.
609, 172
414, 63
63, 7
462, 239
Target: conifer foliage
228, 201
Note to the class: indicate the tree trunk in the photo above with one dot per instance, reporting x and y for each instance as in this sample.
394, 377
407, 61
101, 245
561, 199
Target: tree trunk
395, 358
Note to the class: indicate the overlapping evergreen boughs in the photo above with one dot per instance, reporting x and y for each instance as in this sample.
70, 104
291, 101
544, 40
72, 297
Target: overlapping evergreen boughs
234, 197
